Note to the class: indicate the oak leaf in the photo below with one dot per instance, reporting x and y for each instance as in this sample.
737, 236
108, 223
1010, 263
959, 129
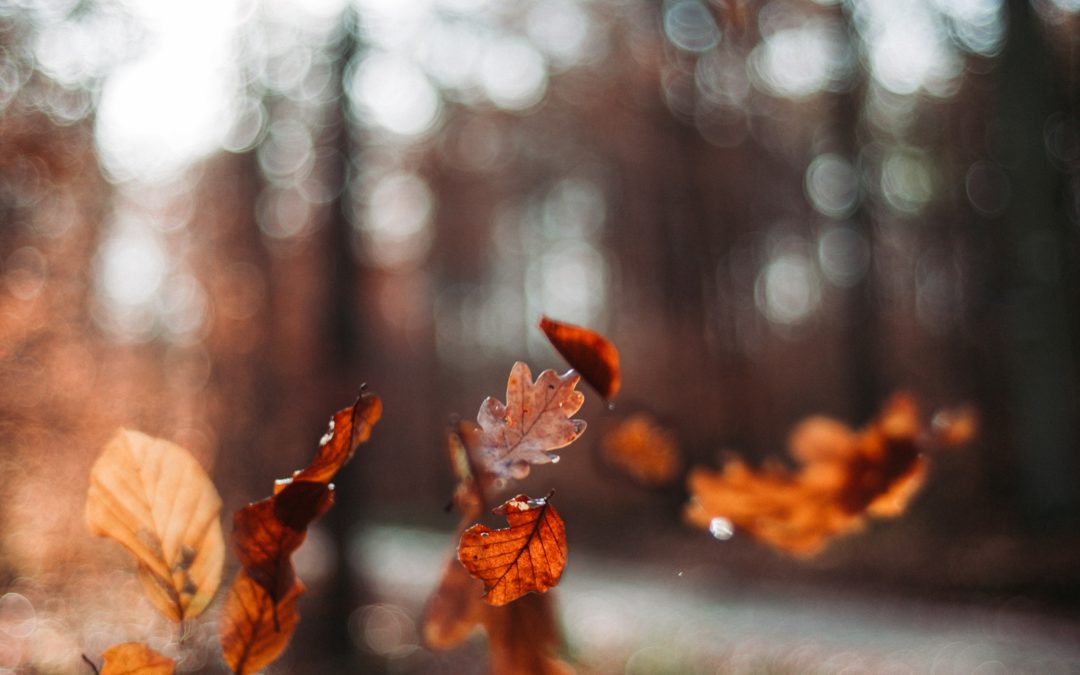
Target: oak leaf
588, 352
642, 449
155, 500
845, 476
527, 557
534, 421
135, 658
254, 628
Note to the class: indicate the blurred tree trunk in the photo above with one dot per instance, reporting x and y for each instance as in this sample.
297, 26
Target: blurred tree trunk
1035, 313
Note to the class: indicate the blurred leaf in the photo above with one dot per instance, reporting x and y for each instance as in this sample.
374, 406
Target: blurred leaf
955, 427
153, 498
455, 609
587, 352
643, 450
522, 635
523, 638
529, 556
134, 658
254, 629
844, 477
534, 421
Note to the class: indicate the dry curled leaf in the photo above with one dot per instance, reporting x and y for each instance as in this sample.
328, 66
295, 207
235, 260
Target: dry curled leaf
527, 557
534, 421
135, 658
260, 612
845, 476
348, 428
254, 628
154, 499
266, 533
588, 352
642, 449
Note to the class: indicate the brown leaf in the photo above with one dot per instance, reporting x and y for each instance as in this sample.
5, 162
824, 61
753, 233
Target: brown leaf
845, 476
463, 445
265, 534
534, 421
134, 658
529, 556
587, 352
155, 500
261, 607
523, 638
455, 609
348, 429
643, 450
254, 629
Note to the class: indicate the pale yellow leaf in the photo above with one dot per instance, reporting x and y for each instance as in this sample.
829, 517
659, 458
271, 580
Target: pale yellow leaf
154, 499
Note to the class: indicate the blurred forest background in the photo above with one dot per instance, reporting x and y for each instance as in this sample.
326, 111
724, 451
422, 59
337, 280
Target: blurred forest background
218, 219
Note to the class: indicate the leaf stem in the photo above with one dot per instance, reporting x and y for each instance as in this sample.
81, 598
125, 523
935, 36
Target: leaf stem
91, 664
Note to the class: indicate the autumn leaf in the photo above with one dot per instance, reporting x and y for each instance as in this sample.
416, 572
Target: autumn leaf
455, 609
266, 533
134, 658
642, 449
587, 352
254, 628
348, 429
845, 476
523, 637
155, 500
534, 421
260, 612
527, 557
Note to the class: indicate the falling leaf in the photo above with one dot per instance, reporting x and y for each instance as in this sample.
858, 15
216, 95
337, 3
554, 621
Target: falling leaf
463, 445
642, 449
260, 612
254, 629
587, 352
155, 500
523, 637
266, 533
134, 658
529, 556
455, 609
534, 421
845, 476
348, 429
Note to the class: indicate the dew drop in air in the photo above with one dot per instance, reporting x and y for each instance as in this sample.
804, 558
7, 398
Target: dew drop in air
721, 528
555, 459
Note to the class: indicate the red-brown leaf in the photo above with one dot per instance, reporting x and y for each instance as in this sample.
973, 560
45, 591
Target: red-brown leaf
266, 533
587, 352
135, 658
254, 628
348, 429
523, 637
845, 476
529, 556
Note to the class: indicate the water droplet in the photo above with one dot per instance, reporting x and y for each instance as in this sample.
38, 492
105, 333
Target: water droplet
679, 574
483, 534
611, 405
721, 528
555, 459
